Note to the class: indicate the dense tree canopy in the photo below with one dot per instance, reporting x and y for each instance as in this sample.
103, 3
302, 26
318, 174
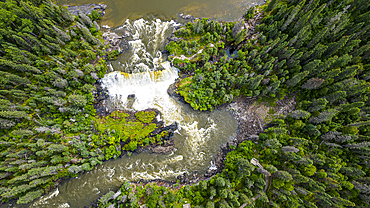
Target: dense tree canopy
49, 63
317, 156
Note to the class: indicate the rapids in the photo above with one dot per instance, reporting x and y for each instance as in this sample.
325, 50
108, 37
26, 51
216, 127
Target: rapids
143, 72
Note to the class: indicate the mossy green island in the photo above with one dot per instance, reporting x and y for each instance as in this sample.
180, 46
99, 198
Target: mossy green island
316, 52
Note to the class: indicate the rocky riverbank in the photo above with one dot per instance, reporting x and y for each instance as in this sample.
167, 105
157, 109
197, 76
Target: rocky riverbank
87, 9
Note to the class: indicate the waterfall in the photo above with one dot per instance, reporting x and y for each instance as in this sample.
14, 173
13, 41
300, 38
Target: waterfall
149, 88
146, 75
142, 71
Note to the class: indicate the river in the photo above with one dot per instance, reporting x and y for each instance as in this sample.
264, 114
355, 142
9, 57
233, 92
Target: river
120, 10
143, 71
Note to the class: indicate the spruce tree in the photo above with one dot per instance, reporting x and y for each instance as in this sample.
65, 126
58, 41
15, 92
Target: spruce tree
255, 81
355, 54
292, 15
349, 71
317, 104
334, 47
198, 27
271, 5
318, 51
302, 22
317, 38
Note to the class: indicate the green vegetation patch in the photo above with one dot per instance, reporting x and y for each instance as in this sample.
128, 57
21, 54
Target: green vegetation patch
184, 88
145, 116
122, 131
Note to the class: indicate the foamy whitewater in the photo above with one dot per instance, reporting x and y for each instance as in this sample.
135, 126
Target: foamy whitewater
146, 76
143, 72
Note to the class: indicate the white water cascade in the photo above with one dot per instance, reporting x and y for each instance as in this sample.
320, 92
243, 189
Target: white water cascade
150, 78
149, 88
143, 72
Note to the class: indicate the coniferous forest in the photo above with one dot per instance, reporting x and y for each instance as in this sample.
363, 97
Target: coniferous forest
49, 130
315, 51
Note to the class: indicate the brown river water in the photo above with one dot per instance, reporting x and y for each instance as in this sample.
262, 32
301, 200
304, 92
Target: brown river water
120, 10
200, 135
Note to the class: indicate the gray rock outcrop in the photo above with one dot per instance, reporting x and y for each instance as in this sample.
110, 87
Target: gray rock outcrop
87, 9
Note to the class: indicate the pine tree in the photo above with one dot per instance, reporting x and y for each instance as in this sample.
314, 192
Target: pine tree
326, 115
352, 171
302, 22
334, 47
279, 48
296, 79
317, 104
21, 42
271, 45
255, 81
341, 61
62, 35
283, 175
340, 27
287, 54
237, 29
316, 39
324, 66
240, 36
271, 5
294, 60
287, 149
315, 21
198, 27
292, 15
298, 39
356, 90
311, 5
349, 71
298, 114
318, 51
282, 13
12, 114
85, 19
356, 53
329, 74
6, 124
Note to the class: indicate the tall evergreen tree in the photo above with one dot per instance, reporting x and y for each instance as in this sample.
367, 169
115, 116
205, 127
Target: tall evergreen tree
296, 79
292, 15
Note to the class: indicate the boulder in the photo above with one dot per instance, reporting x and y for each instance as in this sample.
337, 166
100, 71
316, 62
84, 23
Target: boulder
126, 34
74, 169
186, 16
162, 150
131, 96
253, 137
